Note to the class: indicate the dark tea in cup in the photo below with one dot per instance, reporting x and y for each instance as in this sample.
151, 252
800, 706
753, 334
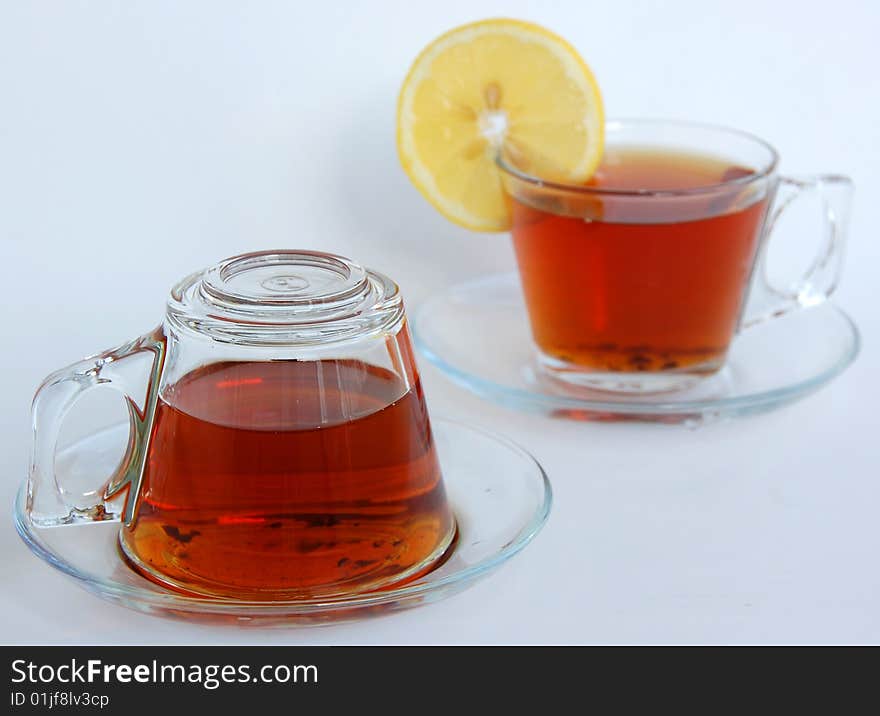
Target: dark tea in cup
618, 286
291, 476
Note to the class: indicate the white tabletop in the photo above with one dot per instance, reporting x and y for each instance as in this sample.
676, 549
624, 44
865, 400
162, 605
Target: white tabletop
140, 141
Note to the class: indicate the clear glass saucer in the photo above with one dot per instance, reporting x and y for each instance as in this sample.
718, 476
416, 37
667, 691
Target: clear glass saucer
478, 334
499, 494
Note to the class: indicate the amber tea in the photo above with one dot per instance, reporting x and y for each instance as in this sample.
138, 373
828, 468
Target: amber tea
289, 476
618, 285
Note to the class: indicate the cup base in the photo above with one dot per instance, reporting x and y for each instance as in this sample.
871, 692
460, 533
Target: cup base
569, 378
212, 589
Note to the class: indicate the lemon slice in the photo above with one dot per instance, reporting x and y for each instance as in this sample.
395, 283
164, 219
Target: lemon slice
496, 85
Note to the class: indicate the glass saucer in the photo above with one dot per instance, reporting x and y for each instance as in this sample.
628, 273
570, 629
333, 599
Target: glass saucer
478, 334
498, 492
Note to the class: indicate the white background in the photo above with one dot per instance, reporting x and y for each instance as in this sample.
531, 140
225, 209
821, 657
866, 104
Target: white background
142, 140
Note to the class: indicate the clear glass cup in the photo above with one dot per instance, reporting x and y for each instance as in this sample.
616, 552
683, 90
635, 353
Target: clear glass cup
638, 281
280, 446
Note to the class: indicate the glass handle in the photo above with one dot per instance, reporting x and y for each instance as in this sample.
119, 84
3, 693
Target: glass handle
834, 195
49, 503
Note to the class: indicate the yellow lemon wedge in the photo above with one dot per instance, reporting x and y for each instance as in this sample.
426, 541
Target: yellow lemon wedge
496, 86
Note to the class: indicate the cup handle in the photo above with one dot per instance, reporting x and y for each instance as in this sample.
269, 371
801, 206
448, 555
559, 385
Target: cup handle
766, 301
49, 504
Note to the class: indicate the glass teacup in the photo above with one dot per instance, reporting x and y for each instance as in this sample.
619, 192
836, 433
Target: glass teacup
639, 280
281, 447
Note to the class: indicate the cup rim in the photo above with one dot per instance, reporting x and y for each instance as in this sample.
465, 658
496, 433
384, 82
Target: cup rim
508, 168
